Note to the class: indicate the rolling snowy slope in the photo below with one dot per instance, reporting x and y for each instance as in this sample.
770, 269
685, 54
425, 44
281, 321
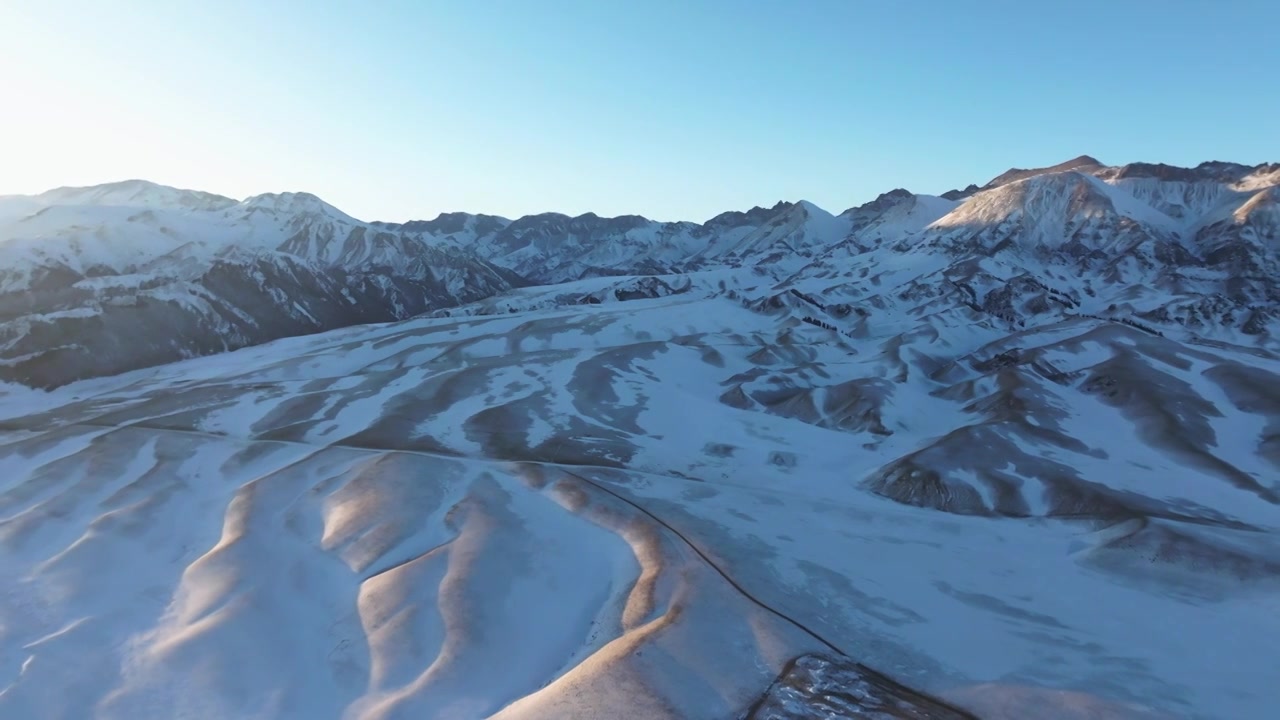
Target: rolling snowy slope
1009, 452
683, 494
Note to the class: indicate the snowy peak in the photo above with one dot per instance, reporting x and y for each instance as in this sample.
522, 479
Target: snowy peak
795, 230
1227, 173
176, 273
1084, 163
734, 218
883, 202
295, 203
135, 193
957, 195
822, 229
553, 247
1059, 195
1167, 200
460, 226
812, 211
619, 224
895, 215
1067, 213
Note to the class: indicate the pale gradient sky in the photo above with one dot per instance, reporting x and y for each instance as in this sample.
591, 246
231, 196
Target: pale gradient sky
675, 109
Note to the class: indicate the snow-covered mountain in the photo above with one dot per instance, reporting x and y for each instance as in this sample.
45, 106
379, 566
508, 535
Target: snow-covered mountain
82, 270
1168, 248
105, 279
1149, 243
552, 248
969, 455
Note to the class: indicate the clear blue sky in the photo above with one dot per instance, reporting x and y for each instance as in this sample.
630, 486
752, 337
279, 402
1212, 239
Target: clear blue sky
675, 109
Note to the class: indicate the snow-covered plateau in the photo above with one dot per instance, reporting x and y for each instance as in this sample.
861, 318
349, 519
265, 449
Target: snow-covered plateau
1008, 452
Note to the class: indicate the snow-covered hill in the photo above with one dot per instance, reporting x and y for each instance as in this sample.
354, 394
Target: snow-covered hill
934, 457
649, 506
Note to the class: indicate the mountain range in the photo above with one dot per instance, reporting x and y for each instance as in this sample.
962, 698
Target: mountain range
1010, 451
81, 268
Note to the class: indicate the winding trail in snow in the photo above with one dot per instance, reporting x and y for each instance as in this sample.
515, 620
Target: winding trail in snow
598, 486
914, 694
